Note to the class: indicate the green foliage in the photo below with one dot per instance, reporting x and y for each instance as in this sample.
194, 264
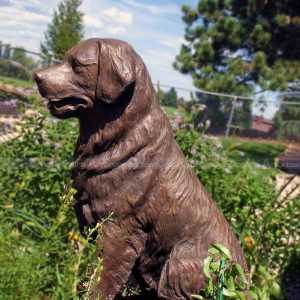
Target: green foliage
217, 111
232, 45
37, 166
260, 152
266, 286
287, 119
11, 69
65, 30
43, 256
15, 63
264, 220
225, 276
41, 259
20, 56
17, 82
170, 98
159, 94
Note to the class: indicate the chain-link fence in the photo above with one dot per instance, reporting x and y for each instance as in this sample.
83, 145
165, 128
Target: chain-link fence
257, 118
245, 117
263, 130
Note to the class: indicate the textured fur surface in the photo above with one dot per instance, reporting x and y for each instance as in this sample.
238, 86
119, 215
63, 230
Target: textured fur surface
128, 163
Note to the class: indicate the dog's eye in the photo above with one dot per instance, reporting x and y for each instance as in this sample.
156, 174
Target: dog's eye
76, 66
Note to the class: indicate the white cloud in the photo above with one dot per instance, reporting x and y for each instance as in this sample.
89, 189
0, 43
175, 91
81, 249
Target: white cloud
155, 33
116, 30
172, 42
162, 9
119, 16
18, 16
91, 21
22, 27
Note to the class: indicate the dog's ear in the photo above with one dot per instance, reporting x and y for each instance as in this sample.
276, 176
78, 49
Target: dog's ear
116, 70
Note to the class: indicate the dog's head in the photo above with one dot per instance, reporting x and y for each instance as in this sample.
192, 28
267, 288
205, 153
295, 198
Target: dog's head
95, 70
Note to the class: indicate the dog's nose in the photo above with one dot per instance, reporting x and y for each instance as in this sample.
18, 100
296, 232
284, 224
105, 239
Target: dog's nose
38, 76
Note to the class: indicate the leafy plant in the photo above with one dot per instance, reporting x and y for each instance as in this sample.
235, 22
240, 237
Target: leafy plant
225, 276
42, 255
265, 221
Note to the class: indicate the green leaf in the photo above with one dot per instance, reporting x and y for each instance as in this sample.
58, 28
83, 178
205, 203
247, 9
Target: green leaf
262, 271
254, 293
213, 251
228, 293
215, 265
275, 289
223, 249
197, 296
230, 283
241, 295
206, 266
210, 286
58, 275
241, 273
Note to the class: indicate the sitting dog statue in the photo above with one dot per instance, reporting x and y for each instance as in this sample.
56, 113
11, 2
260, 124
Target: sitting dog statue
128, 163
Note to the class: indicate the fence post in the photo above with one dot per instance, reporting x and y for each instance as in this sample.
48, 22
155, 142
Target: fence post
231, 116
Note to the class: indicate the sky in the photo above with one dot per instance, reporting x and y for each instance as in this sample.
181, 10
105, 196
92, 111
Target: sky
154, 28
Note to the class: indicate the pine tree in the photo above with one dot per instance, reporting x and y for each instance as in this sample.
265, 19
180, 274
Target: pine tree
287, 119
170, 98
65, 30
234, 44
159, 93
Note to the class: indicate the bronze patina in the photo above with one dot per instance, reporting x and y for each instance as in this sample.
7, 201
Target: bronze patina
128, 163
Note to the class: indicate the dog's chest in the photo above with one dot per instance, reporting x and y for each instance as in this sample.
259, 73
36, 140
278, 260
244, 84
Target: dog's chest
118, 191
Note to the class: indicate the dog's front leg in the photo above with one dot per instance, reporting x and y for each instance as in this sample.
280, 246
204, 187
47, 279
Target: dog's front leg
120, 250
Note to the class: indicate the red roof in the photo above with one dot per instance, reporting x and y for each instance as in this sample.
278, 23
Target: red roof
261, 124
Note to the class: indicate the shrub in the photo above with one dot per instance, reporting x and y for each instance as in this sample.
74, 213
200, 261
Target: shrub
39, 251
14, 69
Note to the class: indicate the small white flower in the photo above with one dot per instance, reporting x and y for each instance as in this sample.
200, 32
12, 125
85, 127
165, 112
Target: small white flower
242, 154
193, 151
216, 155
227, 171
219, 144
53, 121
57, 145
207, 123
52, 163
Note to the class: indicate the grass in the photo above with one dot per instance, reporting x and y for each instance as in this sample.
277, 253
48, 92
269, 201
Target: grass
170, 111
260, 152
17, 82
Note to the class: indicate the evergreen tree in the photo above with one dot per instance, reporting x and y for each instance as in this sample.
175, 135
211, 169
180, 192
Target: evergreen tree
287, 119
234, 44
65, 30
159, 93
170, 98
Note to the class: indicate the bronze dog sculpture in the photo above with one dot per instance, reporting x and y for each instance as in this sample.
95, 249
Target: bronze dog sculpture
128, 163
